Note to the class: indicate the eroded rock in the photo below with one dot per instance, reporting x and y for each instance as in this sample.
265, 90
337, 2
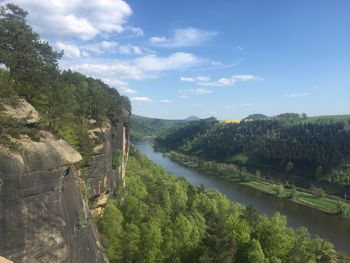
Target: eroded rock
22, 110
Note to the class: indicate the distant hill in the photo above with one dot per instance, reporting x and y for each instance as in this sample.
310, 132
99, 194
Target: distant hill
145, 127
257, 116
192, 118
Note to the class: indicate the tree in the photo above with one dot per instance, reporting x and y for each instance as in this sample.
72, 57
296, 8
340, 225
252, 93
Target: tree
255, 254
28, 59
240, 159
279, 189
131, 243
317, 191
294, 192
110, 227
342, 208
218, 245
151, 239
323, 251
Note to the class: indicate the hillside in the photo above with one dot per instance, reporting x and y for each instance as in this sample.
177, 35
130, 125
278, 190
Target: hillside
285, 147
146, 127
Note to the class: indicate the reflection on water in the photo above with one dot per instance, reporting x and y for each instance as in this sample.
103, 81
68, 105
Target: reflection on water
333, 228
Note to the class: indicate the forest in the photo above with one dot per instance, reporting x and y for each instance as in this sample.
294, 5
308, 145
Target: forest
149, 127
289, 143
66, 100
161, 218
143, 127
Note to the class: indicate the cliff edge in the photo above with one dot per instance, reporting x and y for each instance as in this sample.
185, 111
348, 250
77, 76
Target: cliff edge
45, 199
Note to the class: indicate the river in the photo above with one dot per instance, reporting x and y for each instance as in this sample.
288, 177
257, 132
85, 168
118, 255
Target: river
333, 228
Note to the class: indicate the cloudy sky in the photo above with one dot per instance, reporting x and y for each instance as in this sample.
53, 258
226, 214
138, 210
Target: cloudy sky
224, 58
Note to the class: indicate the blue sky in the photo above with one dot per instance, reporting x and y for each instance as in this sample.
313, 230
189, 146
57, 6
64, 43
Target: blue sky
223, 58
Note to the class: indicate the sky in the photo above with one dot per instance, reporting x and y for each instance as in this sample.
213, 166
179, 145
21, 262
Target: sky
223, 58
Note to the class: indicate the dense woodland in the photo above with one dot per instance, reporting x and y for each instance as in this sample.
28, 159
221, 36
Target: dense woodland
287, 142
161, 218
66, 100
143, 127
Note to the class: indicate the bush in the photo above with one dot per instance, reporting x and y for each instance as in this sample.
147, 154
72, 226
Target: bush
278, 189
317, 191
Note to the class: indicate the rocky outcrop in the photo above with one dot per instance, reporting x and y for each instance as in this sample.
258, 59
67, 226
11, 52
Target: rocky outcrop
22, 110
44, 217
4, 260
45, 200
100, 178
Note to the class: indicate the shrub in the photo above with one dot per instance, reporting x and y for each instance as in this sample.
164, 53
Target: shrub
317, 191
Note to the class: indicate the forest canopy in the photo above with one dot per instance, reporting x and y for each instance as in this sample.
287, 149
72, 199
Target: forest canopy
161, 218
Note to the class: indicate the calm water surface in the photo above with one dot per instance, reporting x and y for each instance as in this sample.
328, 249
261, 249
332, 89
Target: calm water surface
333, 228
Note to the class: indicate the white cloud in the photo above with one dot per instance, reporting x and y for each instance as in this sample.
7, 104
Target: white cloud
70, 50
203, 78
76, 18
193, 79
113, 47
120, 85
199, 91
145, 99
114, 82
100, 47
230, 81
187, 79
130, 49
158, 40
302, 94
116, 72
135, 31
183, 37
109, 69
127, 90
179, 60
165, 101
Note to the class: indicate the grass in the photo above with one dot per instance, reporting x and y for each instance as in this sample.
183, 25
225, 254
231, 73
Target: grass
328, 203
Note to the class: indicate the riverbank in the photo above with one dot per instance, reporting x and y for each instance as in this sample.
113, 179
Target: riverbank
315, 198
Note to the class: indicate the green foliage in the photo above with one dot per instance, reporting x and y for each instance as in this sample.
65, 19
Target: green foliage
342, 208
256, 254
239, 159
293, 192
68, 133
164, 219
117, 159
81, 221
317, 191
278, 189
29, 60
143, 126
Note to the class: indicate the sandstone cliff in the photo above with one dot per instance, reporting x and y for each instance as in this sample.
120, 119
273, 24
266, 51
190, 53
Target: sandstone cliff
45, 199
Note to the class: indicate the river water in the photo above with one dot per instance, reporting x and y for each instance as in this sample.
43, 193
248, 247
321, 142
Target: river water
333, 228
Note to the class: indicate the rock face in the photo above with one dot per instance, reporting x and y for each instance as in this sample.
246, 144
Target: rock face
22, 110
44, 213
101, 179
